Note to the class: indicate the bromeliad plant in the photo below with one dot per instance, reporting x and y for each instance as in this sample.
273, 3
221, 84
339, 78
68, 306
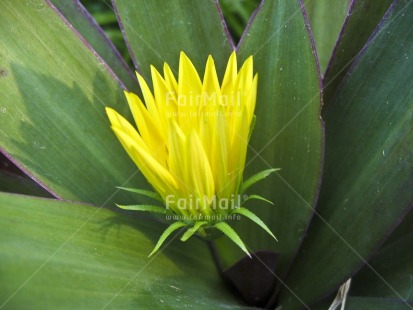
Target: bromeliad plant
345, 185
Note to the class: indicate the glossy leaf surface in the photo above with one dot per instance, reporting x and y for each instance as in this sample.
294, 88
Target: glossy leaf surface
389, 274
326, 20
157, 31
52, 121
362, 19
84, 23
368, 167
288, 130
61, 255
365, 303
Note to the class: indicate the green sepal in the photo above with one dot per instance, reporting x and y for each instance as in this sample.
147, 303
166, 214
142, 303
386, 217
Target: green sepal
255, 178
191, 231
171, 228
144, 208
231, 234
258, 197
247, 213
143, 192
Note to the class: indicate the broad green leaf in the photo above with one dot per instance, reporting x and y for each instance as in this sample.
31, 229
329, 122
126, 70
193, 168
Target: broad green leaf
14, 183
288, 130
326, 20
59, 255
144, 208
53, 93
362, 19
402, 229
158, 30
365, 303
389, 273
84, 23
368, 164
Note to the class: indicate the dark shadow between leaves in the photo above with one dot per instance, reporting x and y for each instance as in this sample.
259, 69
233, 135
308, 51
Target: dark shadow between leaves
20, 184
254, 278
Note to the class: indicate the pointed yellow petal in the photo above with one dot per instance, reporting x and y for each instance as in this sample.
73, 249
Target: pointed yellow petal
189, 90
251, 99
148, 97
211, 103
211, 92
230, 74
244, 78
241, 87
188, 73
170, 78
148, 130
179, 156
202, 179
238, 145
119, 122
177, 160
220, 155
165, 101
243, 82
157, 175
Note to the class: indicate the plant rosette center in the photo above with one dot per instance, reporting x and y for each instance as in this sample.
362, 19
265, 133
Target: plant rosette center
190, 142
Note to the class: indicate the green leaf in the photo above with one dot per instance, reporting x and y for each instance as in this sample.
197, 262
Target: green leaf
231, 234
389, 273
247, 213
191, 231
326, 20
81, 20
257, 197
60, 255
144, 208
168, 231
365, 303
288, 130
368, 163
143, 192
52, 120
256, 178
158, 30
402, 229
362, 19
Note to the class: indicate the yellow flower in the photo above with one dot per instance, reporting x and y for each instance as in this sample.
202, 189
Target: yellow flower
192, 141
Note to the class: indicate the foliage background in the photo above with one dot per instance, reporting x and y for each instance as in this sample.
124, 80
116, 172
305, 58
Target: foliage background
236, 13
31, 232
